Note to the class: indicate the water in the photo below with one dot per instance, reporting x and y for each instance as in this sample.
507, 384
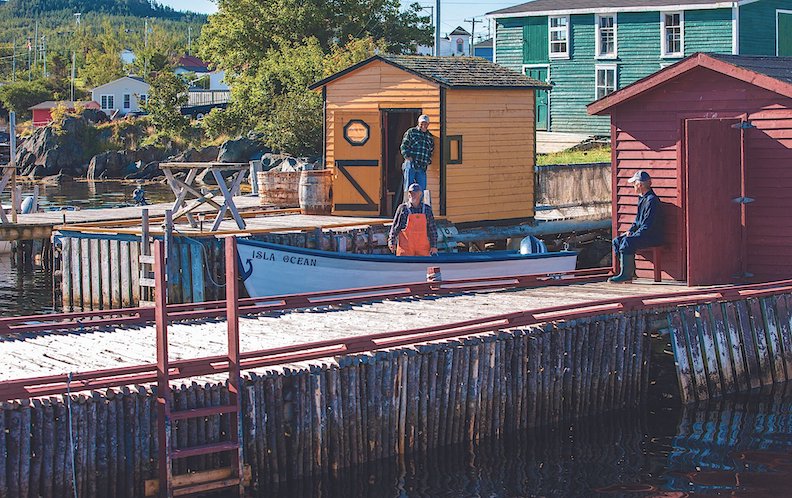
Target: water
738, 447
30, 291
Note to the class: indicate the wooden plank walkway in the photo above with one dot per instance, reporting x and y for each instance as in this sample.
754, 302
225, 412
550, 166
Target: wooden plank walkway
44, 354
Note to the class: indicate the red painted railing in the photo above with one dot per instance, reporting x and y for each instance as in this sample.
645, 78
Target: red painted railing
145, 374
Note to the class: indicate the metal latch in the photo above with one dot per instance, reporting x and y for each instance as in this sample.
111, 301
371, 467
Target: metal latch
743, 200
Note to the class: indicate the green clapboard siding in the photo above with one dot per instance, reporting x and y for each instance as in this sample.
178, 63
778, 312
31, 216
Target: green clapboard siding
708, 31
758, 26
509, 43
535, 46
638, 46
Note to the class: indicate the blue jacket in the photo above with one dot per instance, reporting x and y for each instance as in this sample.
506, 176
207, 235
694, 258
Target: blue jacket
649, 221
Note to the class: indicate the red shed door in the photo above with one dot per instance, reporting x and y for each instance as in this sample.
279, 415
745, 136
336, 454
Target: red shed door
714, 178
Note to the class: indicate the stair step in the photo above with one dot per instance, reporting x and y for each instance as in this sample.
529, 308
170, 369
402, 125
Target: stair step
205, 449
207, 486
203, 412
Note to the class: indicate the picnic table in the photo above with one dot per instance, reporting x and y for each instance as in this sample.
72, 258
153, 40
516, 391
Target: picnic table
189, 197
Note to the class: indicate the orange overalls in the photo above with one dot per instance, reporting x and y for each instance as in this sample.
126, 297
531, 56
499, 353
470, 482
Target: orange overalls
414, 240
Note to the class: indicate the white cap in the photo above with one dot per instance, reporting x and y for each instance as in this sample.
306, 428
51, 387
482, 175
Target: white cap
423, 118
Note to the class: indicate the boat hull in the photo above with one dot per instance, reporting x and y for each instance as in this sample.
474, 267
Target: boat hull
273, 270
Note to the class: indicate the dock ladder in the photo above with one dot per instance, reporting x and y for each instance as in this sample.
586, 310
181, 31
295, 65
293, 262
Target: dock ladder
216, 479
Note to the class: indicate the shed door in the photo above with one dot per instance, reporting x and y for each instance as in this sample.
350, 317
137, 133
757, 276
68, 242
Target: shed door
357, 152
542, 97
714, 181
784, 34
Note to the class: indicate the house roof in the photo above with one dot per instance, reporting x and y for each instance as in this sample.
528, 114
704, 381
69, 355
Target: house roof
131, 77
483, 44
449, 72
192, 63
69, 104
459, 31
545, 7
770, 73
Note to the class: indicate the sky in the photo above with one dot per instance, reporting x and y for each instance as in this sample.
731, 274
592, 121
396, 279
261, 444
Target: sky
454, 12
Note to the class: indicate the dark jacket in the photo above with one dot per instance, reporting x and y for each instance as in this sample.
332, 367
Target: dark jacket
649, 221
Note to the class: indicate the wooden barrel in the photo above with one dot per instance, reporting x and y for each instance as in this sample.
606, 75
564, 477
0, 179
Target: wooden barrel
316, 191
279, 189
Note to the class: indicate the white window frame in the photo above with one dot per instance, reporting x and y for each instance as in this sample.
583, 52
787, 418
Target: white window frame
142, 99
598, 39
605, 67
106, 98
550, 29
126, 101
777, 20
663, 48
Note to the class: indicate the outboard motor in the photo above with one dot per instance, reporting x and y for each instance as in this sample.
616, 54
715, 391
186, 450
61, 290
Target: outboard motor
532, 245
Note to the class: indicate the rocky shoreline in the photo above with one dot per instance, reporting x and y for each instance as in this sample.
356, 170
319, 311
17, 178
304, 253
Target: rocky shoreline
67, 149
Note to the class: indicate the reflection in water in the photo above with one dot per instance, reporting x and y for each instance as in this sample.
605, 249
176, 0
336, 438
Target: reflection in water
30, 291
736, 447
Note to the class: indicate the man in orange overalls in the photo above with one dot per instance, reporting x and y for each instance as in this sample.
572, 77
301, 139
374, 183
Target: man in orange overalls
414, 227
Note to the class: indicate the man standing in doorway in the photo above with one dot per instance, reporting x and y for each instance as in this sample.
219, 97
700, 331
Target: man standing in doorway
414, 232
417, 147
647, 231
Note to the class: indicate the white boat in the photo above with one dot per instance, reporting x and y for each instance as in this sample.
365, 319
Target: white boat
273, 270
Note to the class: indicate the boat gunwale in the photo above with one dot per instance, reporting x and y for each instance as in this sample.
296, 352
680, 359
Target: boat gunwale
492, 256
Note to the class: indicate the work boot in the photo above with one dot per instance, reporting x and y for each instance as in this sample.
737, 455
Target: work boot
627, 272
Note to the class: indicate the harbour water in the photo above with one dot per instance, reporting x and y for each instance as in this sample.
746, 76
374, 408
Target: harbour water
30, 290
735, 447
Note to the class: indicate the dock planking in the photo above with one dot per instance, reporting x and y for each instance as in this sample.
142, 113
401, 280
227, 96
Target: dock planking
45, 353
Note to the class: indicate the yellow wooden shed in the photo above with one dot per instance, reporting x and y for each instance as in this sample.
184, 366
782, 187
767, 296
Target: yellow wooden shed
482, 118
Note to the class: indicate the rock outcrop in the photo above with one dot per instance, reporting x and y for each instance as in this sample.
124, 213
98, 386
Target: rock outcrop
49, 150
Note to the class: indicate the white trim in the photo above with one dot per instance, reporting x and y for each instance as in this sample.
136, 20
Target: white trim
597, 38
663, 49
608, 10
110, 108
736, 29
606, 67
549, 93
558, 55
126, 98
777, 38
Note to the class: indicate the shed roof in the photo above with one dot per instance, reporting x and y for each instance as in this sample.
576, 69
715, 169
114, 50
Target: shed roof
770, 73
483, 44
69, 104
449, 72
543, 7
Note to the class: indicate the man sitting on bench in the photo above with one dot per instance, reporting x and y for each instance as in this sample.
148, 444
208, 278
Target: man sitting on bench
647, 231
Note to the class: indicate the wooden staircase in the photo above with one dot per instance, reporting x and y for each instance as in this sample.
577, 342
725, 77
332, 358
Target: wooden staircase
233, 476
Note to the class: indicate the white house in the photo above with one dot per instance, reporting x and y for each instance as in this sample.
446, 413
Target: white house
124, 95
455, 44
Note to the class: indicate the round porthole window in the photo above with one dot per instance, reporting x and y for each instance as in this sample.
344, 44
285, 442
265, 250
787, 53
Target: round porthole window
356, 132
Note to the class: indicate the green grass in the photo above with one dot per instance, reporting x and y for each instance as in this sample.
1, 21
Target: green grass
598, 155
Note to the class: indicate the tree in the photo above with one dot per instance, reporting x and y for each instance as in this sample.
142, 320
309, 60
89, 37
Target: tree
103, 58
19, 96
167, 95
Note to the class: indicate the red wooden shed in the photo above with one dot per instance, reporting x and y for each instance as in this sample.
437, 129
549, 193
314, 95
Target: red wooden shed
42, 113
715, 133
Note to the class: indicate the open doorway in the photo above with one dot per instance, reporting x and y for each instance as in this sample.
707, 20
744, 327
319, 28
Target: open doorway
394, 123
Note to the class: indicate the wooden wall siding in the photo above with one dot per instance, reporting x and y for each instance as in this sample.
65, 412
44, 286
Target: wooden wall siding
496, 179
758, 26
638, 56
509, 42
725, 348
308, 419
536, 41
646, 138
382, 86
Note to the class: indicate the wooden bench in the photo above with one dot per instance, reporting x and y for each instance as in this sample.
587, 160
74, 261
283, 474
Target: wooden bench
657, 260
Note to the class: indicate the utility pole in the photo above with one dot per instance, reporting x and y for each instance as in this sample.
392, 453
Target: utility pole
473, 21
36, 46
145, 51
437, 28
73, 74
13, 64
44, 53
189, 40
30, 54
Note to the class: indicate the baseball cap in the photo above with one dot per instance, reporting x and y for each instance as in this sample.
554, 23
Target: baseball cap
414, 188
639, 176
422, 118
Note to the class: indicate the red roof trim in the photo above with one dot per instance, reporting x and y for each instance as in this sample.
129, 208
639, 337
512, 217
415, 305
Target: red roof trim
663, 76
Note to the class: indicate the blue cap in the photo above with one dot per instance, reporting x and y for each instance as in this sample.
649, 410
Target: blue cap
640, 176
414, 188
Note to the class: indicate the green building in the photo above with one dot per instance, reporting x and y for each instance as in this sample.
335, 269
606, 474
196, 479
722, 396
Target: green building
589, 48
